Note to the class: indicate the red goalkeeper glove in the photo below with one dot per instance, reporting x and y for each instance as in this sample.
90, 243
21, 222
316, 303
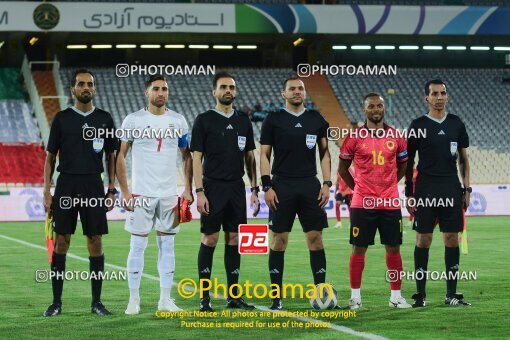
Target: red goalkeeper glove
184, 211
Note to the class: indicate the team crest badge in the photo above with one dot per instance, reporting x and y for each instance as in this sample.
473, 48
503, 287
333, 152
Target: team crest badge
390, 145
453, 148
241, 142
310, 141
355, 231
98, 144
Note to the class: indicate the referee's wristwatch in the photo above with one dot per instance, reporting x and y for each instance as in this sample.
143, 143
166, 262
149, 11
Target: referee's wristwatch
467, 189
255, 189
266, 188
328, 183
197, 190
112, 191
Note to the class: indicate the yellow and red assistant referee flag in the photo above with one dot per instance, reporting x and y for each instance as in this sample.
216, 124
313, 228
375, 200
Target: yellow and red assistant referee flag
50, 240
464, 235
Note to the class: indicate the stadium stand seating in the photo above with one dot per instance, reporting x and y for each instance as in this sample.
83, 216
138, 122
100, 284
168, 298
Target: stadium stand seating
46, 87
21, 155
482, 114
21, 163
10, 86
17, 123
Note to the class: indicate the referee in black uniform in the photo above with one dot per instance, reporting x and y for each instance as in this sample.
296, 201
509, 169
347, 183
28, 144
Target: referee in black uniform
80, 167
445, 143
293, 133
223, 139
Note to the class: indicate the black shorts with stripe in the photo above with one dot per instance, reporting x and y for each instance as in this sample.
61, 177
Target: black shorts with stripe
297, 196
227, 206
439, 201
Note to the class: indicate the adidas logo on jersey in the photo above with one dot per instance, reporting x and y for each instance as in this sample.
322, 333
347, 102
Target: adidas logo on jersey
85, 126
229, 127
441, 132
298, 125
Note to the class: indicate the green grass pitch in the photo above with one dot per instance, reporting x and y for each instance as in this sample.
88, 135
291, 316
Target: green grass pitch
23, 300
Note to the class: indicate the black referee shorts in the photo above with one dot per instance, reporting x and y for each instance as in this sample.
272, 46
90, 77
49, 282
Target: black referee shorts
87, 188
297, 196
365, 222
227, 206
443, 191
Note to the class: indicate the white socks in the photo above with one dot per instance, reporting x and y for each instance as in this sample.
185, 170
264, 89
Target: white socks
166, 264
395, 294
355, 293
135, 264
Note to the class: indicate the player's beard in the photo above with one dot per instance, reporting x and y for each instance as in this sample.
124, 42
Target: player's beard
295, 101
85, 99
226, 100
158, 103
376, 120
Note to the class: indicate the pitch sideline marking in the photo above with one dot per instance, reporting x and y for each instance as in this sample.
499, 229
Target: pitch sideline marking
338, 328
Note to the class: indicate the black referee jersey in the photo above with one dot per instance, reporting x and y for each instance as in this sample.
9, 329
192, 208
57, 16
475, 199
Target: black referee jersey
77, 155
294, 137
438, 150
224, 140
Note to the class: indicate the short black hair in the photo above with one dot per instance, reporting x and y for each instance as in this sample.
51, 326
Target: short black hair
153, 78
78, 71
433, 81
292, 77
371, 94
221, 74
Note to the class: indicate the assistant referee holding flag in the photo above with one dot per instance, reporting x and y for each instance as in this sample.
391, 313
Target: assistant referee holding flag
80, 151
446, 142
293, 133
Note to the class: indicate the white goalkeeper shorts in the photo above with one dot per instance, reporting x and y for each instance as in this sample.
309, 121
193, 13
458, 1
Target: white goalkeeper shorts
160, 213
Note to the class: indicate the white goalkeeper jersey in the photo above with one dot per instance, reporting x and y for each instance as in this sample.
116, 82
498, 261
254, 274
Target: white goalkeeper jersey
155, 142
